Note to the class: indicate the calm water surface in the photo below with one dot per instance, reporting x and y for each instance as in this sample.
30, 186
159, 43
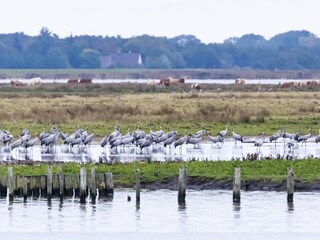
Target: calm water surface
205, 151
207, 214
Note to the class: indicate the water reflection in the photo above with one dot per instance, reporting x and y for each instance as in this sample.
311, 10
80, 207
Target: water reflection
290, 207
207, 211
229, 151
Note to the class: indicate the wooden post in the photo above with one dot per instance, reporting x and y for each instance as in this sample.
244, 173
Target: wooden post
290, 185
25, 189
83, 184
182, 185
49, 184
61, 184
138, 185
93, 188
10, 184
109, 185
236, 185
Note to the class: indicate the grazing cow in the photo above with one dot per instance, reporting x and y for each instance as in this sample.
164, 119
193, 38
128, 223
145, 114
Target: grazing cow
34, 81
312, 84
151, 83
195, 87
15, 82
165, 82
178, 81
240, 81
86, 80
287, 84
72, 81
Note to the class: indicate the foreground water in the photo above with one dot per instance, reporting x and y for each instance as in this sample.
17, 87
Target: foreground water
202, 152
206, 215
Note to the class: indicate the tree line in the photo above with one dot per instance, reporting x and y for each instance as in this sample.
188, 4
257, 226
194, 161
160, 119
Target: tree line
293, 50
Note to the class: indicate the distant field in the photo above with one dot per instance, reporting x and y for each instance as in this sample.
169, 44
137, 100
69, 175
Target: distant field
99, 108
158, 73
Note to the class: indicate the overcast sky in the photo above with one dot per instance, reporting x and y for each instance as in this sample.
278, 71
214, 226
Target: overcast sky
212, 21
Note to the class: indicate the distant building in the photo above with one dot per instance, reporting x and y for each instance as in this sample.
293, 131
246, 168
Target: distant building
121, 60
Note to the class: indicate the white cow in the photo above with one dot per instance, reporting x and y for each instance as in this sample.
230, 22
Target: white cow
34, 81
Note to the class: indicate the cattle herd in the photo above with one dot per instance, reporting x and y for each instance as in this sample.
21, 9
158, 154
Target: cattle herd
311, 83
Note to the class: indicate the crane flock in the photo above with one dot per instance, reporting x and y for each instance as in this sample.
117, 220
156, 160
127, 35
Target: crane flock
141, 139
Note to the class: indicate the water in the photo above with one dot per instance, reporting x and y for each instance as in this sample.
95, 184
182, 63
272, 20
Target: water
207, 214
205, 151
188, 81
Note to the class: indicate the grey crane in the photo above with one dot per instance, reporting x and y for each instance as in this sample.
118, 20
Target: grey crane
24, 132
63, 136
304, 138
18, 143
77, 141
318, 137
50, 141
223, 133
137, 134
7, 137
274, 137
170, 140
32, 142
146, 143
158, 133
114, 134
285, 134
104, 140
193, 140
259, 142
88, 139
236, 137
216, 139
181, 141
200, 132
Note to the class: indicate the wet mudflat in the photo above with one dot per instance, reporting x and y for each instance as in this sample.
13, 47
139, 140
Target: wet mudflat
205, 151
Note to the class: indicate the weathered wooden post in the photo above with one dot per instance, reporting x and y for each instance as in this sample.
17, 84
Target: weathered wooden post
236, 185
10, 184
182, 185
25, 189
49, 184
290, 185
61, 184
138, 186
109, 185
93, 188
83, 184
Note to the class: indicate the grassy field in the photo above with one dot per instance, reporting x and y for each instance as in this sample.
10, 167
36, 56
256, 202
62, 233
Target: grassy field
159, 73
100, 109
271, 170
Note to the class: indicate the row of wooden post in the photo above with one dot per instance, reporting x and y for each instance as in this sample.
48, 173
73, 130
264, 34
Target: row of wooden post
237, 185
182, 185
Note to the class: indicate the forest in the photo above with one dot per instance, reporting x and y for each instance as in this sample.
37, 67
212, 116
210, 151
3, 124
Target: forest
293, 50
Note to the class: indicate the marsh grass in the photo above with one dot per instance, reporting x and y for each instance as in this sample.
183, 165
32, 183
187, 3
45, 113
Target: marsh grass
249, 112
307, 170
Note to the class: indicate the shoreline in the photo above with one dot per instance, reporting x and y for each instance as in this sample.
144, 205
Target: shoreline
195, 183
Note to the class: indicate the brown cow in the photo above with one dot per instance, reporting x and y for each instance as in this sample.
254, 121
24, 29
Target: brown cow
240, 81
15, 82
312, 84
195, 87
165, 82
86, 80
287, 84
177, 81
73, 81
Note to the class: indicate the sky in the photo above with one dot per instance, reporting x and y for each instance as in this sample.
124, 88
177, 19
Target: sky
211, 21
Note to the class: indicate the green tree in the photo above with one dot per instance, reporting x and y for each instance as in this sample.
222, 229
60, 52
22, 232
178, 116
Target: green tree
57, 59
89, 58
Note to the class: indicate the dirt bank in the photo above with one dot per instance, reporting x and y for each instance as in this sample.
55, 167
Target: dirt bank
195, 183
